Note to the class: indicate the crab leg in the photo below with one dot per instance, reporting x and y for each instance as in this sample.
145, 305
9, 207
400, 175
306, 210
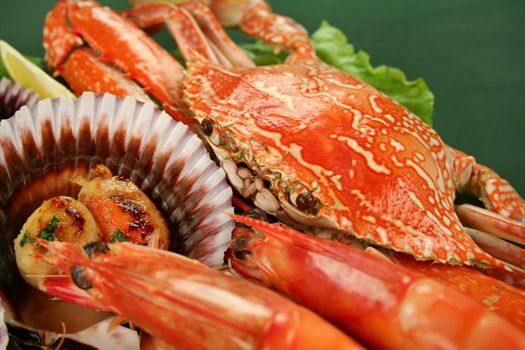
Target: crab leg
193, 25
512, 254
187, 304
506, 209
188, 35
367, 295
505, 213
279, 31
150, 17
498, 248
213, 30
254, 17
490, 222
495, 192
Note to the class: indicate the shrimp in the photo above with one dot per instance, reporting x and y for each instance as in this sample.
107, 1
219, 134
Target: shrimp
188, 305
380, 303
500, 297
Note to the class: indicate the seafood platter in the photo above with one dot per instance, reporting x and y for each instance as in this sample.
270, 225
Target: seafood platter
280, 194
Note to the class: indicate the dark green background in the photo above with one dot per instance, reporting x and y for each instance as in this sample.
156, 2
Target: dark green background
471, 53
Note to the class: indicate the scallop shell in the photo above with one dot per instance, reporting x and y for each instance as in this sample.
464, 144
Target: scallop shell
42, 147
3, 329
13, 96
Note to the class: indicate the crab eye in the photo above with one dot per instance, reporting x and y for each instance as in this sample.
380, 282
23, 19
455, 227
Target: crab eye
303, 199
207, 125
306, 201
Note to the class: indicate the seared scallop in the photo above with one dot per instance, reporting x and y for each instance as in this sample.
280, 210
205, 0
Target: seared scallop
122, 211
59, 218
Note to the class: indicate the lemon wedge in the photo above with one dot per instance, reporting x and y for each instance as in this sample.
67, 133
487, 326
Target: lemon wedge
27, 74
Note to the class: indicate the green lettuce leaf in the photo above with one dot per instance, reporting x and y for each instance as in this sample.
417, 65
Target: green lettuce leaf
333, 47
263, 54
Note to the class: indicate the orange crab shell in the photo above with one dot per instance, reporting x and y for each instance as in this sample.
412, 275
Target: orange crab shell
377, 170
82, 37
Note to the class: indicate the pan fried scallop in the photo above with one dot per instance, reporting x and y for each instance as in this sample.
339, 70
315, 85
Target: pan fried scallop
57, 219
122, 211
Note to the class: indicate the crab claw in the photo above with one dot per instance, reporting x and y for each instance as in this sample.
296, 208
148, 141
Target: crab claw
95, 49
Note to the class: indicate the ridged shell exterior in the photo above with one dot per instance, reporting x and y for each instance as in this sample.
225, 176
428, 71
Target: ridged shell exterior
42, 147
3, 329
13, 96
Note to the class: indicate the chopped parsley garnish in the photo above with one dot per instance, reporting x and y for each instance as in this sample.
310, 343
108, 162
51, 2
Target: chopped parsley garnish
26, 239
117, 236
49, 232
